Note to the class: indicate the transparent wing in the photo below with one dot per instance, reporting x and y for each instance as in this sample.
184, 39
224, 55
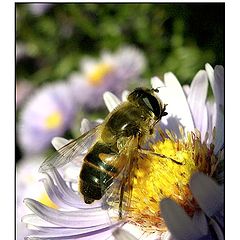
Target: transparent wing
71, 150
117, 198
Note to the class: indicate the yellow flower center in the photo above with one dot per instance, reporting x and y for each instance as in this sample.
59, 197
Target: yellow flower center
44, 199
54, 120
96, 76
157, 178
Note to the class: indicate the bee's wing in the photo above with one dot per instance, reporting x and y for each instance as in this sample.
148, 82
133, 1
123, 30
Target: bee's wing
118, 195
70, 151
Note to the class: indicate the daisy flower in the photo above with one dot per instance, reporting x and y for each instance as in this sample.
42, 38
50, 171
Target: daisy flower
113, 72
184, 198
48, 113
192, 133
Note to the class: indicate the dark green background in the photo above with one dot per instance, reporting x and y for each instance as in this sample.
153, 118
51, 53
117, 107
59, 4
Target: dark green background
174, 37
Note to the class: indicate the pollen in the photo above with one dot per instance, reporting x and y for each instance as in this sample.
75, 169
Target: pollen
159, 177
96, 76
54, 120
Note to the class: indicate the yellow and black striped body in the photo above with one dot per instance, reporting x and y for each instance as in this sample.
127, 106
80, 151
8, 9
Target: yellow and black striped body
133, 118
96, 176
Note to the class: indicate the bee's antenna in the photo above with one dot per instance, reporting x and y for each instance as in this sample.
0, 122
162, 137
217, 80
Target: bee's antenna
156, 89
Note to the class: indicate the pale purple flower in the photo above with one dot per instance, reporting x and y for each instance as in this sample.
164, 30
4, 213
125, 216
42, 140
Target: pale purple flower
189, 108
48, 113
75, 220
112, 71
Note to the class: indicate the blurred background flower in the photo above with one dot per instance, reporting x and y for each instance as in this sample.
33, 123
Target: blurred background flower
113, 72
48, 113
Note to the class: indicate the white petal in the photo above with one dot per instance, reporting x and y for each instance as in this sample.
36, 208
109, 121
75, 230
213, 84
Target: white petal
216, 78
219, 96
37, 221
200, 221
72, 170
98, 121
186, 89
197, 101
210, 72
125, 94
177, 107
133, 229
219, 79
211, 109
166, 236
208, 193
217, 230
219, 132
156, 82
59, 142
85, 126
111, 101
121, 234
72, 219
178, 222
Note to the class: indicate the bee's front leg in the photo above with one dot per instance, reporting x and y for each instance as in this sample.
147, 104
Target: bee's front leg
150, 152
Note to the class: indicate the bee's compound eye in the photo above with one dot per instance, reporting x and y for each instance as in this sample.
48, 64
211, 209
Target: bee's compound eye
148, 104
152, 103
146, 98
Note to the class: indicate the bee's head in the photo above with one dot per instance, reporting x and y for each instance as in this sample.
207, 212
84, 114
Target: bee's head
145, 97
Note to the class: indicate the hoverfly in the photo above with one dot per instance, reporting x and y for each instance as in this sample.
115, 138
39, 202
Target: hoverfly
113, 146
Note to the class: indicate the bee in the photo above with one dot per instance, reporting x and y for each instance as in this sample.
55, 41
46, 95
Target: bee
113, 146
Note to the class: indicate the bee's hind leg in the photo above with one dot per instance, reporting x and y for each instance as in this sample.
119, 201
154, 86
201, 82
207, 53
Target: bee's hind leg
121, 201
122, 189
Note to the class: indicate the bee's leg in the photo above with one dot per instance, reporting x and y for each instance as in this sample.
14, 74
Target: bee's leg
121, 200
122, 189
149, 152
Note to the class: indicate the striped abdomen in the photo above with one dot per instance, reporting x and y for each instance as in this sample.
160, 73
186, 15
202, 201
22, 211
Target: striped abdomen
96, 175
